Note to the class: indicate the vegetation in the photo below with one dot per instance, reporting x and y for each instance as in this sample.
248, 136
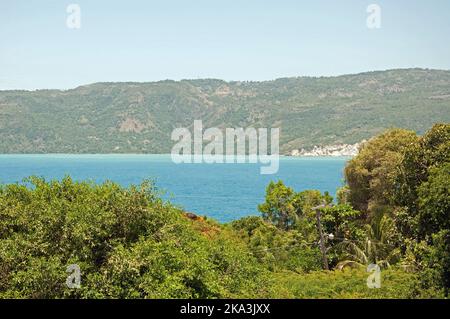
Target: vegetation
129, 243
370, 175
139, 117
408, 186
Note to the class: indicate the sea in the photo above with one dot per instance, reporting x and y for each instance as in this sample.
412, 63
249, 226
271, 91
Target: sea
225, 192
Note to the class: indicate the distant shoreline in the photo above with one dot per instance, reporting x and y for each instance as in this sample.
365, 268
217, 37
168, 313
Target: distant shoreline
150, 154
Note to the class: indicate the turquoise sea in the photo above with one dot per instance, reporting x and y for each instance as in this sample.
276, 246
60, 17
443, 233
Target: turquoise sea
222, 191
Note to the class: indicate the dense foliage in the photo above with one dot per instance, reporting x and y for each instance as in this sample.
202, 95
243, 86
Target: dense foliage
370, 175
129, 243
405, 179
139, 117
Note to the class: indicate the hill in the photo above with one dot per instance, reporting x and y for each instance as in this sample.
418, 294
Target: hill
131, 117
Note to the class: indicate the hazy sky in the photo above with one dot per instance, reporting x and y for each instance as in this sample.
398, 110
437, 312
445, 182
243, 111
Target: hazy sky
232, 40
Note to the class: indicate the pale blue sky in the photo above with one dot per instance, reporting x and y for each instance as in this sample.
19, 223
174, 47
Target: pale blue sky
231, 40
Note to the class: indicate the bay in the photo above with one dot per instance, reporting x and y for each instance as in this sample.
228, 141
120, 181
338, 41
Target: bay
224, 192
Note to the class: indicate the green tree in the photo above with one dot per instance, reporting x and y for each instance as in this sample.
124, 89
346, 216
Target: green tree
127, 242
434, 201
431, 150
342, 221
378, 247
282, 206
370, 175
422, 195
276, 248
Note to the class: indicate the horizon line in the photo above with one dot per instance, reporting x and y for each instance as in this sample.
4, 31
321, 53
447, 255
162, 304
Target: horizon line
227, 81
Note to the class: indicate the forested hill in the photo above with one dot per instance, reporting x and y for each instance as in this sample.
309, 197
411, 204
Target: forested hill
139, 117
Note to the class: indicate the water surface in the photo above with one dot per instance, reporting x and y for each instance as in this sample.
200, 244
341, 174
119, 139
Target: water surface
222, 191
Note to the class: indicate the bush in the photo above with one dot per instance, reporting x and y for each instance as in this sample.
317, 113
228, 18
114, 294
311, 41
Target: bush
349, 283
127, 242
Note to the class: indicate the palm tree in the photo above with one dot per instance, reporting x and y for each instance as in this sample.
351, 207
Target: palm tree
377, 248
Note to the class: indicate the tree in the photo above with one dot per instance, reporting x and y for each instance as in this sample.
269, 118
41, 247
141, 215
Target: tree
379, 246
422, 195
312, 197
370, 175
342, 221
433, 149
276, 248
128, 243
420, 159
281, 206
434, 201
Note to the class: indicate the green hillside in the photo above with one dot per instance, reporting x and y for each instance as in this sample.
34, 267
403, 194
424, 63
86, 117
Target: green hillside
139, 117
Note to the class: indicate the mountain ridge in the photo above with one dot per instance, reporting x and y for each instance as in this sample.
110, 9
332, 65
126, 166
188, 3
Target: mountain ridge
227, 81
138, 117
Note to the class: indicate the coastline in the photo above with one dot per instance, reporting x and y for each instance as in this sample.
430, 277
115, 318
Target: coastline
334, 150
142, 155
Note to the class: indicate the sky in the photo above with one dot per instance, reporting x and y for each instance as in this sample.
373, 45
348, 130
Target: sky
230, 40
